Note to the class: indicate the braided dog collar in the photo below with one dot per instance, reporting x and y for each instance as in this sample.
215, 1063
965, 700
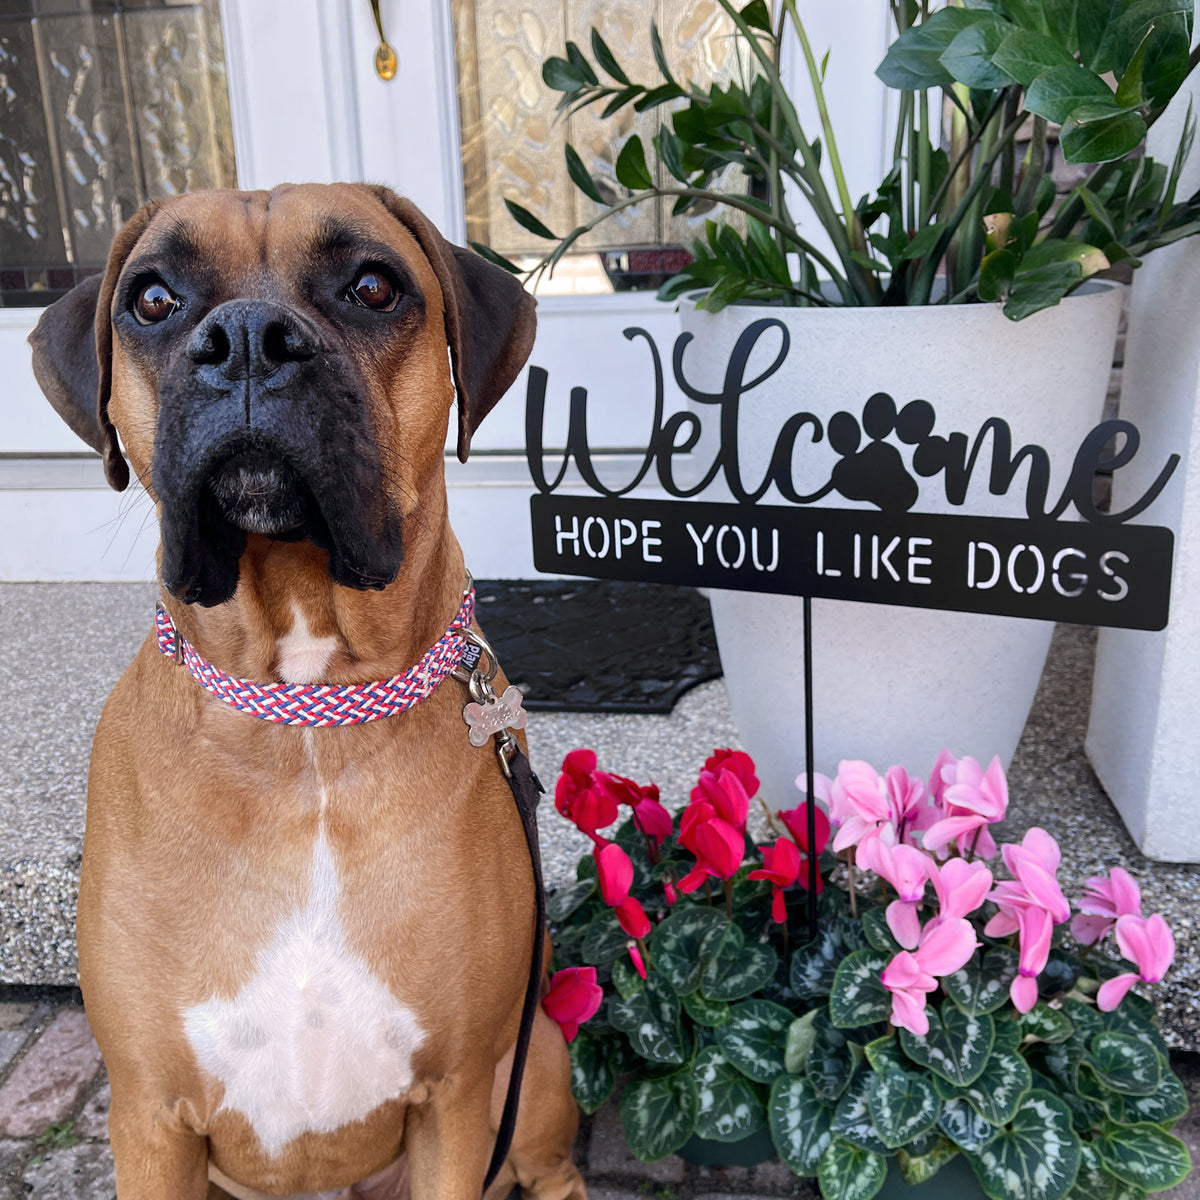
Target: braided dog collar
324, 704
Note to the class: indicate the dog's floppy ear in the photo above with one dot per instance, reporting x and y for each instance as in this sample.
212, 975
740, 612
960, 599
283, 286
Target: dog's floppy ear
72, 353
490, 318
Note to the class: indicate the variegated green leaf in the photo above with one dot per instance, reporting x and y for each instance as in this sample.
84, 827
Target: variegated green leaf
729, 1107
676, 944
1085, 1017
567, 899
754, 1038
848, 1172
705, 1012
831, 1059
592, 1077
1036, 1158
918, 1168
903, 1106
1134, 1022
800, 1037
1164, 1107
1045, 1024
956, 1047
799, 1124
813, 966
885, 1052
877, 933
658, 1115
625, 978
1093, 1182
1123, 1064
651, 1020
997, 1093
852, 1117
604, 939
1143, 1156
858, 996
1008, 1032
733, 969
982, 985
965, 1127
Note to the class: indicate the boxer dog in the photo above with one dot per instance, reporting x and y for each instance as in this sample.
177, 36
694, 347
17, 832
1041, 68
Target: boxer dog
303, 951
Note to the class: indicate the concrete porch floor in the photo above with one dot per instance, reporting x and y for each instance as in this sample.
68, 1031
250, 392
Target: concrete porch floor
62, 646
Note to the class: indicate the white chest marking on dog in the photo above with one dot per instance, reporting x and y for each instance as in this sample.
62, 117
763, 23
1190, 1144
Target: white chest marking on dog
314, 1040
302, 657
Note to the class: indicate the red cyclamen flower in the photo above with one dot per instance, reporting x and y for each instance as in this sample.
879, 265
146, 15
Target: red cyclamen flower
718, 846
615, 873
737, 761
574, 997
578, 798
781, 865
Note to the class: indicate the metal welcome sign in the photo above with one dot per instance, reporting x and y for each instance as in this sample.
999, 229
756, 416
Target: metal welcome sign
1099, 570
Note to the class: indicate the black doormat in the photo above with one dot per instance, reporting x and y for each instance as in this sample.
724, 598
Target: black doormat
598, 646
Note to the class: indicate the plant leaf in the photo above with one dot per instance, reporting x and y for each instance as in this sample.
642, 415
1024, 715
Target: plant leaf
734, 970
631, 169
757, 16
729, 1107
982, 985
1045, 1024
965, 1127
1025, 54
498, 260
917, 1168
1143, 1156
970, 56
1164, 1107
956, 1047
675, 945
659, 1114
604, 939
527, 220
848, 1172
562, 76
656, 48
606, 58
903, 1106
705, 1012
852, 1118
814, 966
592, 1076
1102, 141
831, 1060
1034, 290
997, 1093
1036, 1158
1123, 1064
567, 899
579, 175
755, 1037
913, 61
800, 1037
651, 1020
858, 996
1056, 93
799, 1124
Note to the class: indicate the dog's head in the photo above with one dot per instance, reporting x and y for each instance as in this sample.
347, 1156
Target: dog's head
276, 363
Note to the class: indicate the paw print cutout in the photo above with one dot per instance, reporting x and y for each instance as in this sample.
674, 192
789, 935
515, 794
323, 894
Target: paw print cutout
876, 473
496, 715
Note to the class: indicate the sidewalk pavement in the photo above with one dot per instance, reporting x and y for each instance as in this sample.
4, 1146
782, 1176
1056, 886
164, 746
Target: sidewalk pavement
54, 1138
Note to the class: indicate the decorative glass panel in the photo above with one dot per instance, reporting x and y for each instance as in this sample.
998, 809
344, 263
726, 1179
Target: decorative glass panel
104, 104
513, 139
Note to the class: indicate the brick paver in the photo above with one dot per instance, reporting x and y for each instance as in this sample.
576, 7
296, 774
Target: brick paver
48, 1082
54, 1138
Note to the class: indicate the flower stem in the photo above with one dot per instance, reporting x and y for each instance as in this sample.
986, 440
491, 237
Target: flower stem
729, 898
851, 882
771, 818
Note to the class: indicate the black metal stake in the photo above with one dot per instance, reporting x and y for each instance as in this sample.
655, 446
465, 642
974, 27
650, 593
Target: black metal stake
811, 809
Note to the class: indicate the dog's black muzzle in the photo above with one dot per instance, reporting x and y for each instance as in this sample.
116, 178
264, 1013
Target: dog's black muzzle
263, 428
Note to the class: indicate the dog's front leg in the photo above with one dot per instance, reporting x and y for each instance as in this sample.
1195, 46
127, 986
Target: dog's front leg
156, 1156
448, 1141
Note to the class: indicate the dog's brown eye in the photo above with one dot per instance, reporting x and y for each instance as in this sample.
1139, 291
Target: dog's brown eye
372, 289
154, 303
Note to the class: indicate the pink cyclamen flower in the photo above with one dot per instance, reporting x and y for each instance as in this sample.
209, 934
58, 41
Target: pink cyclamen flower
906, 869
912, 811
972, 799
961, 887
1033, 863
1036, 929
781, 865
940, 776
1104, 900
1148, 943
912, 975
858, 802
615, 873
737, 761
574, 997
719, 847
577, 797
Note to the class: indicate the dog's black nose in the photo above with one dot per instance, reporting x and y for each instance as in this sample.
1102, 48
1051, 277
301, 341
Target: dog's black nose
249, 339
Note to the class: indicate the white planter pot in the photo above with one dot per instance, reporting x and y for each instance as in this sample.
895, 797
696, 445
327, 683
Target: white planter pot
895, 685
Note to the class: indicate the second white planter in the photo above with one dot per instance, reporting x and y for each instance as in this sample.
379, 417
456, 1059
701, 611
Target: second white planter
895, 685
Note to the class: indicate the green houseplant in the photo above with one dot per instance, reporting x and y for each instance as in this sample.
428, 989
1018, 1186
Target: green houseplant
976, 216
940, 1012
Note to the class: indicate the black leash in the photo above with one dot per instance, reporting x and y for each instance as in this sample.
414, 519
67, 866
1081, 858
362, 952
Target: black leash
526, 789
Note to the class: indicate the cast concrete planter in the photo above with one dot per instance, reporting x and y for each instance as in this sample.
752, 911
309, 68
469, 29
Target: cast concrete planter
895, 685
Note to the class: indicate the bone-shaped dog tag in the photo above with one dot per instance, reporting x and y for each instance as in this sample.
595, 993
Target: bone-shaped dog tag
494, 716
